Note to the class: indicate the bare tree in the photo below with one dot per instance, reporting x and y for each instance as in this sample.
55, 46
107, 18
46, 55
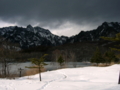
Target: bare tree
55, 54
8, 52
73, 58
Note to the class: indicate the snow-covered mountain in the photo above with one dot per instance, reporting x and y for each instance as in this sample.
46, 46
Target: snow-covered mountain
106, 29
31, 36
35, 36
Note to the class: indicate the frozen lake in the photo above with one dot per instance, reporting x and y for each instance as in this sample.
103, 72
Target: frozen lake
51, 66
86, 78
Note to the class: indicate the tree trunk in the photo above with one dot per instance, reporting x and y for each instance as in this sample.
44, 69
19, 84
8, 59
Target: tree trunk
106, 64
97, 64
5, 69
8, 73
39, 73
119, 79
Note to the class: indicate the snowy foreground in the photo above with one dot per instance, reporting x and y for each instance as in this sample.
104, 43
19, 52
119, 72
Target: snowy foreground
87, 78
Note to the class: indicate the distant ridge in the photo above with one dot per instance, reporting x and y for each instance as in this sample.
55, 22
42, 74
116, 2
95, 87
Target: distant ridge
36, 36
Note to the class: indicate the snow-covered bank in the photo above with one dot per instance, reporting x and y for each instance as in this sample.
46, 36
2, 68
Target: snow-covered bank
86, 78
13, 67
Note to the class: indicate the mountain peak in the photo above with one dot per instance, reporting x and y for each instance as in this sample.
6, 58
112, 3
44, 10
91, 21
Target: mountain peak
35, 36
29, 26
110, 24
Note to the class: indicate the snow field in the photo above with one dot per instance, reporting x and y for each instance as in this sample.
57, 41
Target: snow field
87, 78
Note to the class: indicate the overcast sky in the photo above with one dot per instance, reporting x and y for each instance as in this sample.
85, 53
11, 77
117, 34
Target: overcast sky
61, 17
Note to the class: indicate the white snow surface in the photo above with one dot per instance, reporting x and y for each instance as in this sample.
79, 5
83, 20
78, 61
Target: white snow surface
110, 25
86, 78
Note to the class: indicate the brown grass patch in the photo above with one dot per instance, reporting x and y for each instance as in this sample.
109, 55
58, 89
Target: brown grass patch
10, 76
33, 71
103, 64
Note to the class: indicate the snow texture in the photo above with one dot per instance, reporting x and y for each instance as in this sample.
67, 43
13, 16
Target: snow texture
87, 78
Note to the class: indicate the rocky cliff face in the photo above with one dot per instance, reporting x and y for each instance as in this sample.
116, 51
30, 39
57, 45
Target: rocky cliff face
106, 29
36, 36
31, 36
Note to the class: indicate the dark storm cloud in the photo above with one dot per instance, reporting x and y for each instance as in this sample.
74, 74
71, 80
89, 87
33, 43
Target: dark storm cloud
47, 12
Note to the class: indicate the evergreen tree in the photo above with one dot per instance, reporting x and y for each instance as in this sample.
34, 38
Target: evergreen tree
110, 57
60, 60
97, 57
117, 47
114, 39
39, 63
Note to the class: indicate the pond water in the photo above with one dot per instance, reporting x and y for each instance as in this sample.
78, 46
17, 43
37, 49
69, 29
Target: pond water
13, 67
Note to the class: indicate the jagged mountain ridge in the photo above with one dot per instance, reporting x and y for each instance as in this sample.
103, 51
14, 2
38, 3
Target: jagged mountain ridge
106, 29
31, 36
36, 36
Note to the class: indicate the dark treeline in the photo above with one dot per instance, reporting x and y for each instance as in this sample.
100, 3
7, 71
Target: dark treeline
78, 51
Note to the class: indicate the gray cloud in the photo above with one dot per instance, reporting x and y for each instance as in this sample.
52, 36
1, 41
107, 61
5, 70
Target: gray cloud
54, 13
